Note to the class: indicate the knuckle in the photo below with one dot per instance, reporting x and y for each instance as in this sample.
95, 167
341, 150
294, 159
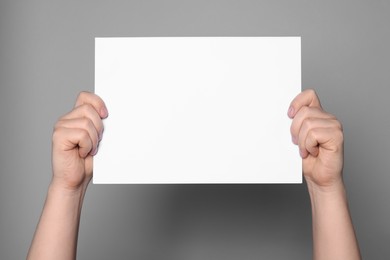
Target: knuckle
57, 134
83, 94
59, 124
86, 123
339, 125
330, 116
336, 124
84, 134
82, 97
311, 133
312, 92
308, 123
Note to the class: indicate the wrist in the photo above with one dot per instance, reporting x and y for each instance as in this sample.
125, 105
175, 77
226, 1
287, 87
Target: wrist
69, 200
327, 195
331, 187
57, 188
70, 183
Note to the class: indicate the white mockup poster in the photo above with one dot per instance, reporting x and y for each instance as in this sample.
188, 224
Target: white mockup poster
197, 109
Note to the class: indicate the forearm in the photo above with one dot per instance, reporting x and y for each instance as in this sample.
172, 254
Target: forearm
57, 231
333, 232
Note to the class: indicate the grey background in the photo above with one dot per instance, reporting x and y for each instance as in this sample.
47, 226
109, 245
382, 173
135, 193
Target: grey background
47, 57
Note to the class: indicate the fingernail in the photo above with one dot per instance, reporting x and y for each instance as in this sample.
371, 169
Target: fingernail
290, 112
95, 150
302, 154
103, 112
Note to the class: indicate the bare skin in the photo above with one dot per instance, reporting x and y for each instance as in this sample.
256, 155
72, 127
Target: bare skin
319, 136
75, 141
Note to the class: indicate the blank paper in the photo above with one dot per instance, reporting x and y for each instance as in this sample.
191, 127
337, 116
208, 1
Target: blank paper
197, 109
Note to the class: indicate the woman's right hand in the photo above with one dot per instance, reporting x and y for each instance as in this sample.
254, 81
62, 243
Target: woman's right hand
319, 136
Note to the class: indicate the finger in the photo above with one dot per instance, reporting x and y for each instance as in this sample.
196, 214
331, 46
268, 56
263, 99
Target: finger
329, 139
317, 132
311, 143
67, 139
307, 126
85, 124
89, 166
305, 98
94, 100
303, 114
87, 111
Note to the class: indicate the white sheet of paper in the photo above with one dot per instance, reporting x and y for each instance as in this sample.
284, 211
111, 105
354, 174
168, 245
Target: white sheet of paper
197, 109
